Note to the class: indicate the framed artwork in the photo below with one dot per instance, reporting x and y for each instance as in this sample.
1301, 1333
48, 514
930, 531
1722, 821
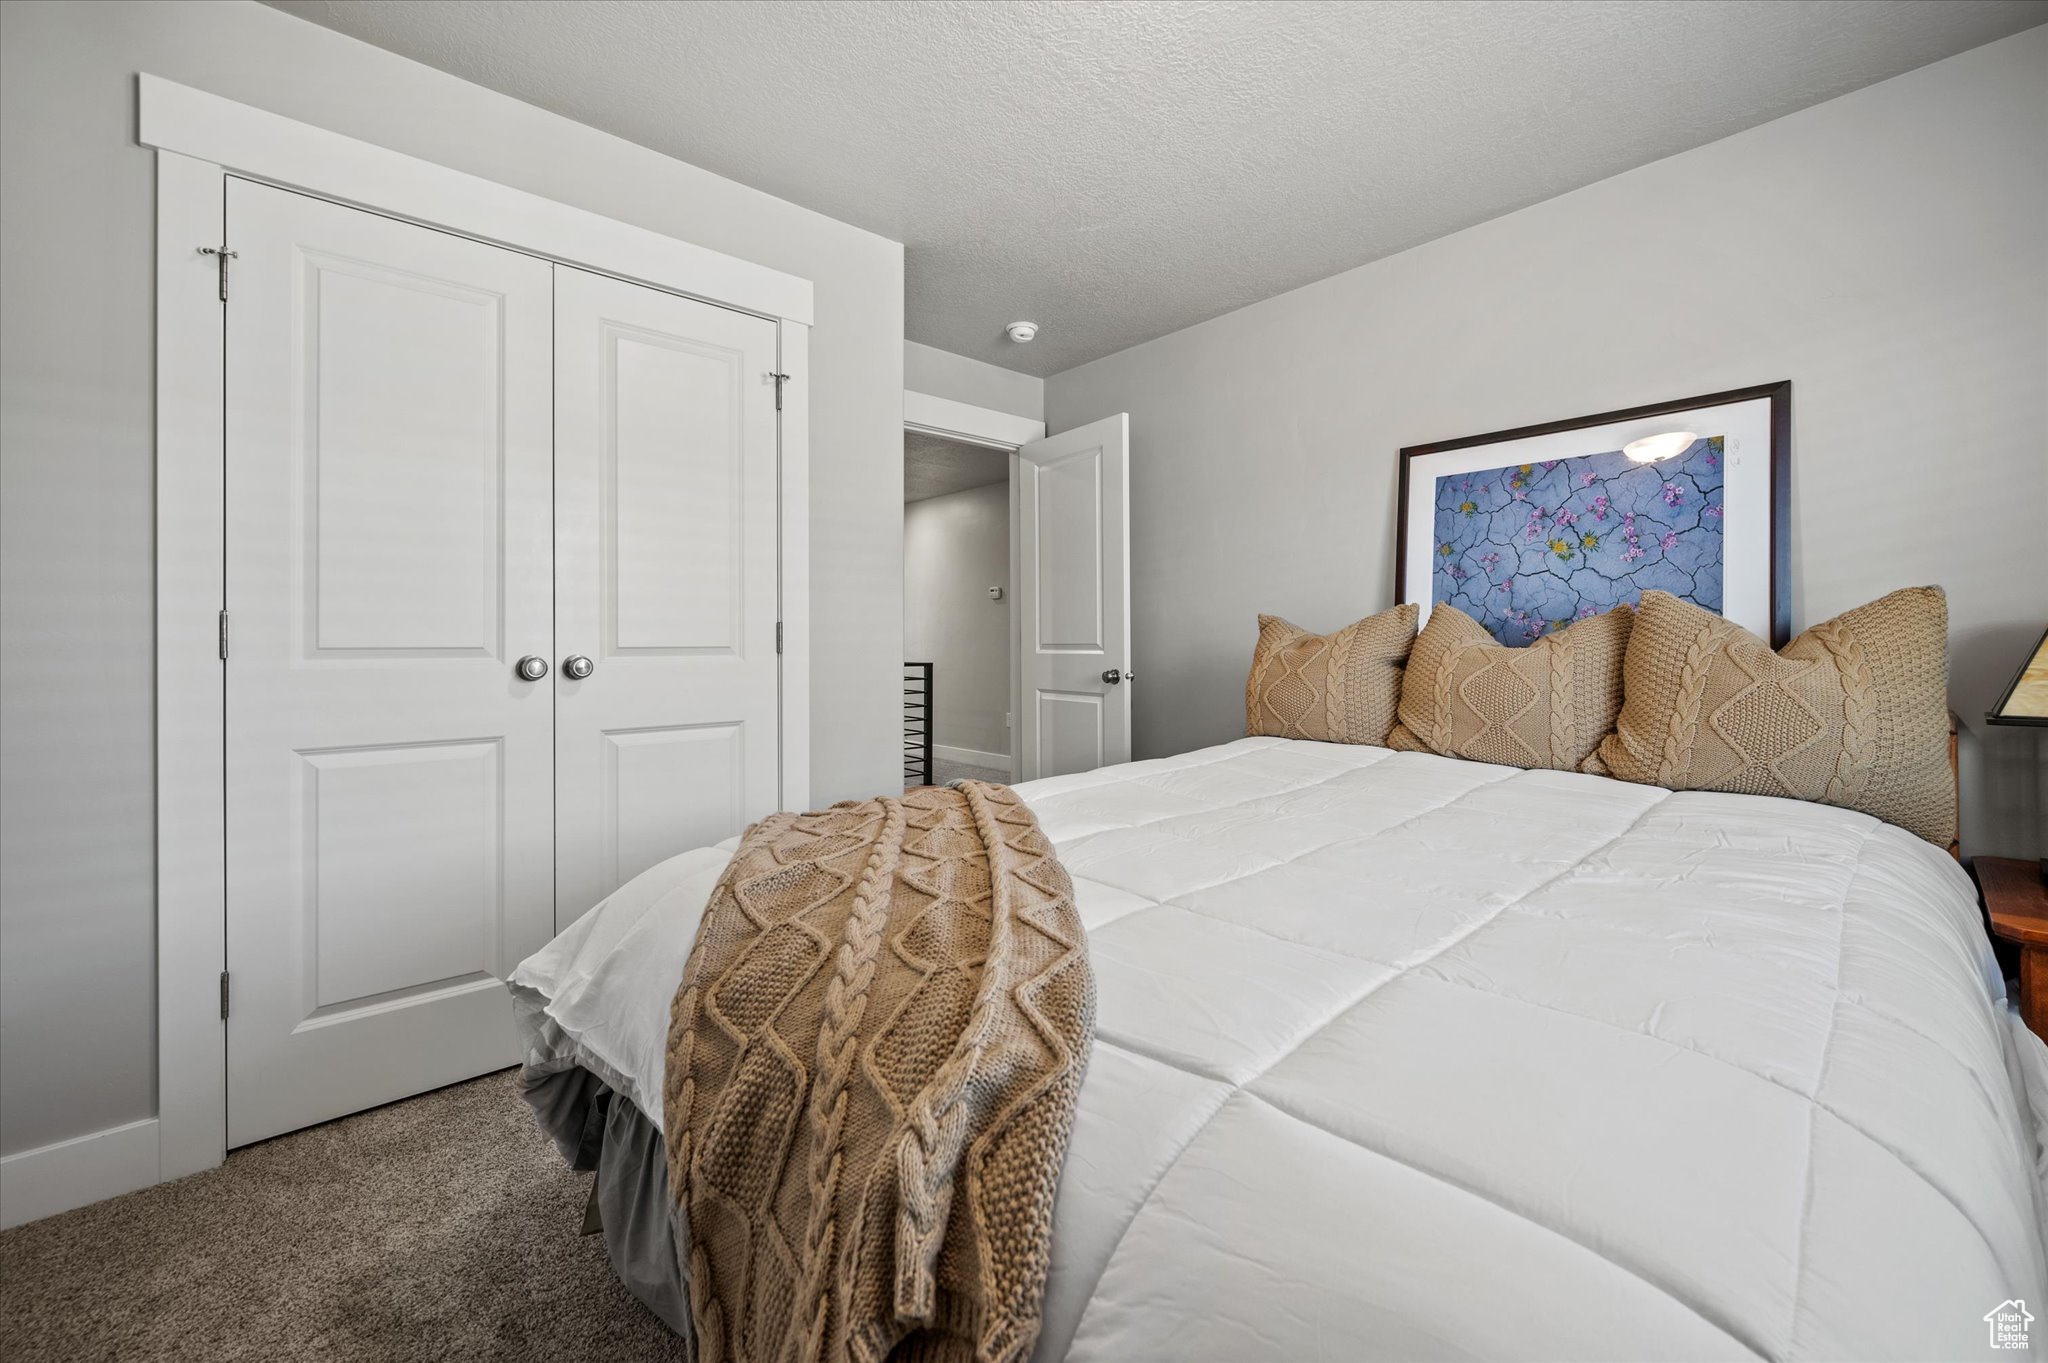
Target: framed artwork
1528, 530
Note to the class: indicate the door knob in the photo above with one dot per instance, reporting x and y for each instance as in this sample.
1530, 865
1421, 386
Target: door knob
1113, 676
577, 666
532, 667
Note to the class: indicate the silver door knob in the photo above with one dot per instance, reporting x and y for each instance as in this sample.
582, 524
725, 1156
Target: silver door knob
531, 668
577, 666
1113, 676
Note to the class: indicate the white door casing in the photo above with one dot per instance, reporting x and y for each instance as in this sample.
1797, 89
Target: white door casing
1074, 598
665, 577
389, 792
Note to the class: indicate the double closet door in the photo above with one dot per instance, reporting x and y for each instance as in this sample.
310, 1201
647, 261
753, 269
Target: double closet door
500, 631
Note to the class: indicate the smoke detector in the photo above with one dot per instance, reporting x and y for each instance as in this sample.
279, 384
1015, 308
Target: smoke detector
1021, 332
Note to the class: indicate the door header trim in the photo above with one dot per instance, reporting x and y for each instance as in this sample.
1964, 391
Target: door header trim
245, 140
973, 425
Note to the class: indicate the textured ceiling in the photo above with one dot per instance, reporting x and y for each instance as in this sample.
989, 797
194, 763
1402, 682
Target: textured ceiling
934, 466
1119, 171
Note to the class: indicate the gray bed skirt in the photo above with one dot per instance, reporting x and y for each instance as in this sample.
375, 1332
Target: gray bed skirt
597, 1130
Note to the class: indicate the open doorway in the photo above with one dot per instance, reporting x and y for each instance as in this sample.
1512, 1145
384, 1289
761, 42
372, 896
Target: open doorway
1066, 541
958, 663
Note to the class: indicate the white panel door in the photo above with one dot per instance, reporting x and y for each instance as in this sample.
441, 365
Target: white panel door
665, 580
389, 775
1074, 598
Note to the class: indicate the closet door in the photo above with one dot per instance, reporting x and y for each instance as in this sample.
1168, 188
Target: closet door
389, 771
665, 580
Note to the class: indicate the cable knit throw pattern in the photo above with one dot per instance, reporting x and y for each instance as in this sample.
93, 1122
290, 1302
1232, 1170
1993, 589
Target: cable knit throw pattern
872, 1064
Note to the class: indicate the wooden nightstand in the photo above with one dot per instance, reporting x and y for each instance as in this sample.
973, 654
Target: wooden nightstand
2018, 904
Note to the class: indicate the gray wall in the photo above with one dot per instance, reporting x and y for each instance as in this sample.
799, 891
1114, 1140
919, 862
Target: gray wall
1885, 251
77, 204
955, 548
943, 374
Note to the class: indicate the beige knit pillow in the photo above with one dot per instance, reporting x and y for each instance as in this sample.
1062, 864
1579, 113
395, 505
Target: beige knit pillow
1547, 705
1853, 712
1333, 688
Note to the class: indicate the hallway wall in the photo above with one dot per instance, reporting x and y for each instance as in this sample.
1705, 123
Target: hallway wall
955, 548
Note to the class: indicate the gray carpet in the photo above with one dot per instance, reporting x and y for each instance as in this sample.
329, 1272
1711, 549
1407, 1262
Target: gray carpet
945, 773
443, 1227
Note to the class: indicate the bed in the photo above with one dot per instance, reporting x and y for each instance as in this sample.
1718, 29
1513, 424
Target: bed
1400, 1056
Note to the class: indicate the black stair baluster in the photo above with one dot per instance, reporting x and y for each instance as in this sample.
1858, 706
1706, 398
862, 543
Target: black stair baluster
917, 723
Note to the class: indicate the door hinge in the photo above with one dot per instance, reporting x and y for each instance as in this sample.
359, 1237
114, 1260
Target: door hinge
778, 636
780, 379
223, 996
223, 636
221, 255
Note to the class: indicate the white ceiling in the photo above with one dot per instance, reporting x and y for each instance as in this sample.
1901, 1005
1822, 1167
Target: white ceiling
1118, 171
934, 466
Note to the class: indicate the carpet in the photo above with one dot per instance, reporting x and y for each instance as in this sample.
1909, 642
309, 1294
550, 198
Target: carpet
441, 1227
945, 773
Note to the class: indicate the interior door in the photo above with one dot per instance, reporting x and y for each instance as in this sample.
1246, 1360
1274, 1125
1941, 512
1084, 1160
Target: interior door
389, 773
666, 705
1074, 598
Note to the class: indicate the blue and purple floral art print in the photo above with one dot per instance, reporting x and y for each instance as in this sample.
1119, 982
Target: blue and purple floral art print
1527, 549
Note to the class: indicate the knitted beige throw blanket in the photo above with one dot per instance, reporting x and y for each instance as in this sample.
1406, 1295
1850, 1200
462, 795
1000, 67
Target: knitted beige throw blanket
872, 1064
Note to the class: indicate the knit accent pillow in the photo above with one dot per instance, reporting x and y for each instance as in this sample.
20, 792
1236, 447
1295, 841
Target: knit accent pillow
1547, 705
1333, 688
1854, 712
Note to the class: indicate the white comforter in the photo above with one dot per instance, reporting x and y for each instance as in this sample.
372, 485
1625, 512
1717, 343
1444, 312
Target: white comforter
1405, 1057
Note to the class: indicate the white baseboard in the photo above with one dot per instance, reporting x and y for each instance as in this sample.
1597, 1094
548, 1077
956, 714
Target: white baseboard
969, 757
55, 1178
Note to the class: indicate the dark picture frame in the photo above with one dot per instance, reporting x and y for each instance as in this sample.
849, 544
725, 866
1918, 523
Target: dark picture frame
1779, 477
